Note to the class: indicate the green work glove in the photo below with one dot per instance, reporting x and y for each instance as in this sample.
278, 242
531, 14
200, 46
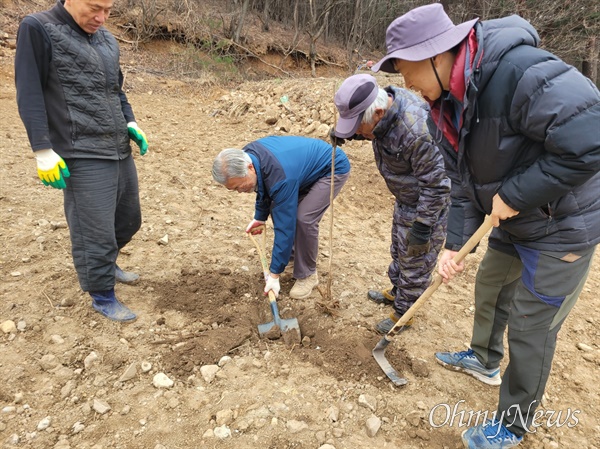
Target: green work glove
51, 168
138, 136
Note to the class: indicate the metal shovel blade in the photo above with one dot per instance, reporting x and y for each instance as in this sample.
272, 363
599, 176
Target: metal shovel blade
288, 328
284, 326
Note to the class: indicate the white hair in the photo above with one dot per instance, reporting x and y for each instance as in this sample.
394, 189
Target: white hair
230, 163
381, 102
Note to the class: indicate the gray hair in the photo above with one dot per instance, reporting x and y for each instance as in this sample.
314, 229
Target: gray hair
381, 102
230, 163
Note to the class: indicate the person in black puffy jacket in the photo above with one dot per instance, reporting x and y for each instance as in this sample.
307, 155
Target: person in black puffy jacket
521, 143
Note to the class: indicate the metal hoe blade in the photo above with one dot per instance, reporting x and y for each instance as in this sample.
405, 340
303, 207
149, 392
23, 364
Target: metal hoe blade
379, 349
390, 372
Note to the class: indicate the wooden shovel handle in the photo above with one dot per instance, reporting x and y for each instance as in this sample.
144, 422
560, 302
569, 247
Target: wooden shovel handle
261, 249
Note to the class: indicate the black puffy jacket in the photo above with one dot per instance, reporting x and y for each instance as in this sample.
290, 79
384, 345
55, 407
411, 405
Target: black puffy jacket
531, 133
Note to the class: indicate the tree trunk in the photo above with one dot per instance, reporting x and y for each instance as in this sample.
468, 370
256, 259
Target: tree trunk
589, 66
240, 23
266, 16
313, 58
355, 34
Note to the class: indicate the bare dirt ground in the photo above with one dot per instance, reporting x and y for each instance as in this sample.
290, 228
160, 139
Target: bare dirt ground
72, 379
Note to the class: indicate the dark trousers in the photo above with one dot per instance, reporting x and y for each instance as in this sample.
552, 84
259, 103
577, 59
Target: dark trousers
102, 208
531, 292
412, 274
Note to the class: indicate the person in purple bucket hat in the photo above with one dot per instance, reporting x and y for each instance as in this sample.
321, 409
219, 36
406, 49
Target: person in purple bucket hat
395, 120
518, 129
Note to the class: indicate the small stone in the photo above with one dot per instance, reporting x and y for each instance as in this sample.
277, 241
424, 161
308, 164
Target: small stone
414, 418
224, 417
49, 362
161, 380
420, 368
222, 432
18, 398
44, 423
373, 425
146, 366
224, 361
333, 413
78, 427
209, 372
67, 302
295, 426
129, 373
100, 406
368, 401
89, 361
164, 240
584, 347
8, 327
56, 339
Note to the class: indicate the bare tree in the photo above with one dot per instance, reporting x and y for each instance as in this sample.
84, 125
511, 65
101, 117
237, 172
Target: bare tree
589, 66
317, 20
240, 21
265, 16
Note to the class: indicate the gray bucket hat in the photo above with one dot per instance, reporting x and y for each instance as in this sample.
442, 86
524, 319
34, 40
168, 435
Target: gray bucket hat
421, 34
352, 99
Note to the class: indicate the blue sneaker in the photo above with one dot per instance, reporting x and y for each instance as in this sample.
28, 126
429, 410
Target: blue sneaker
106, 303
490, 435
467, 362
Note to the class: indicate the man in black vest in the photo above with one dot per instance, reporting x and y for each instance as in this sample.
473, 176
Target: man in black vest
79, 122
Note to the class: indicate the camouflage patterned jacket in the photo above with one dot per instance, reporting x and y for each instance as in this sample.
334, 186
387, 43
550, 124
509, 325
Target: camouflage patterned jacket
408, 159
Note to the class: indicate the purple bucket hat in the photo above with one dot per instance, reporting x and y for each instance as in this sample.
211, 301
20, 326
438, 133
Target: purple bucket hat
352, 99
421, 34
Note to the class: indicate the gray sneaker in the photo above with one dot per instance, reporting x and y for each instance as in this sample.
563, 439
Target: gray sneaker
467, 362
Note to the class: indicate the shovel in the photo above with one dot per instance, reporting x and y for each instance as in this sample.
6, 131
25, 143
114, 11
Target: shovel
272, 330
379, 350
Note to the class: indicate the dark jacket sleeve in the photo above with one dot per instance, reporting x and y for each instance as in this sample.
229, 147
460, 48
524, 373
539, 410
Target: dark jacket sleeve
125, 106
463, 220
434, 184
569, 129
32, 64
